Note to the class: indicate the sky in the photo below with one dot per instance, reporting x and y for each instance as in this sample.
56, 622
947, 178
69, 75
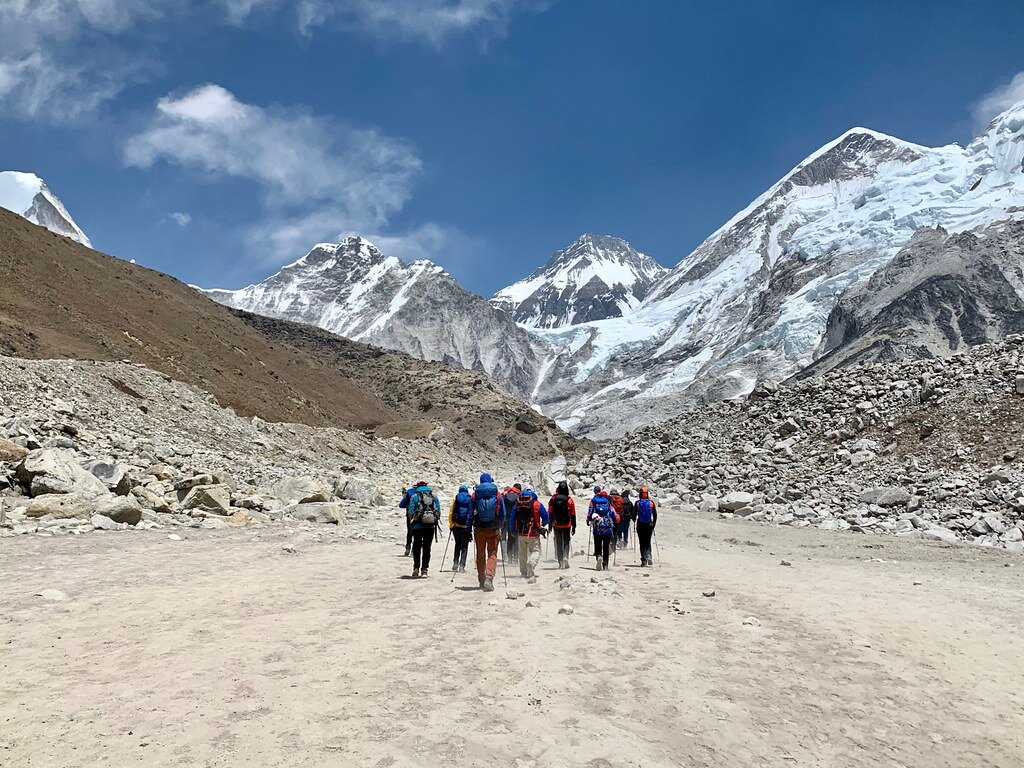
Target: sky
219, 140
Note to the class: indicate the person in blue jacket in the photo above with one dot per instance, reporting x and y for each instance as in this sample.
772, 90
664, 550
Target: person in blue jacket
602, 519
486, 522
424, 512
458, 523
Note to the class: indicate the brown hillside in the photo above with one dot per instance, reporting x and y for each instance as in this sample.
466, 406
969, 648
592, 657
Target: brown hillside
59, 299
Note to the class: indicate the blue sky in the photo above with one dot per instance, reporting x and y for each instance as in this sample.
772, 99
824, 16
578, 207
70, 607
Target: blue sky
216, 141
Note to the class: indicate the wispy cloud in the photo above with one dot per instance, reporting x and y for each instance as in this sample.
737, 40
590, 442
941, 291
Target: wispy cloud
317, 176
60, 59
180, 218
998, 100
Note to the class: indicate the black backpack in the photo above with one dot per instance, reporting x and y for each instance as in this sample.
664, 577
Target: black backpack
524, 515
560, 513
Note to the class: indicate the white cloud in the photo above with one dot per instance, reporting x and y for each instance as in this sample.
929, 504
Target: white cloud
998, 100
180, 218
317, 176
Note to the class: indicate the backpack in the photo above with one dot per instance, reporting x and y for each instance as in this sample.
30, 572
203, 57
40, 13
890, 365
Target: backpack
645, 511
486, 504
524, 515
560, 511
424, 512
616, 503
604, 525
463, 506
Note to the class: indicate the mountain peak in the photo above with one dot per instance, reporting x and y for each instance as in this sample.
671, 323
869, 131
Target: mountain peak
593, 278
28, 196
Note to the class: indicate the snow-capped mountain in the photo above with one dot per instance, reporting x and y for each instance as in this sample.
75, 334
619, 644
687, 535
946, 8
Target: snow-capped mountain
595, 278
26, 195
753, 301
352, 289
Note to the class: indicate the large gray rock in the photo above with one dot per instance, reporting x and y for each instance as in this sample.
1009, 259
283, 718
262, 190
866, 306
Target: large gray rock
120, 509
354, 489
302, 490
886, 497
735, 500
211, 498
52, 470
319, 512
113, 476
62, 505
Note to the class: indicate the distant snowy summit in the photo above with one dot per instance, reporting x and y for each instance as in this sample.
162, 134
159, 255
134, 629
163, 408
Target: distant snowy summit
27, 195
595, 278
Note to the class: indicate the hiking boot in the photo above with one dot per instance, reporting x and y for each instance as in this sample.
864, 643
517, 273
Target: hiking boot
424, 574
408, 552
415, 573
531, 580
598, 565
488, 585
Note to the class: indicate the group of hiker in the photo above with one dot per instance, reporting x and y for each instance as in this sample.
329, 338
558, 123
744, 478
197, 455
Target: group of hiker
514, 519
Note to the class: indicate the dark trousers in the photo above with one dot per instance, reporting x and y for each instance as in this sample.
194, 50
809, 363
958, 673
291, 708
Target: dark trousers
622, 533
461, 536
563, 541
602, 547
421, 541
644, 532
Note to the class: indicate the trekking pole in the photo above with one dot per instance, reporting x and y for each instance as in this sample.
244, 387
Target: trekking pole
504, 573
634, 541
657, 552
445, 555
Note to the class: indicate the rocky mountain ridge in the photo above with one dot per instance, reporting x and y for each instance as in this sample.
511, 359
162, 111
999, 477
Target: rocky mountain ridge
352, 289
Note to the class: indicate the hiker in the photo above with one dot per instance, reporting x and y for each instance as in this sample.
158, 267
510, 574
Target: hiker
530, 523
646, 520
626, 516
404, 504
485, 522
562, 510
509, 497
424, 514
602, 519
616, 499
458, 524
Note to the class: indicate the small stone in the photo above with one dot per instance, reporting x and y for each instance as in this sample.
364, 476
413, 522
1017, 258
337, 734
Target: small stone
709, 593
565, 610
751, 621
174, 537
52, 594
784, 562
918, 583
512, 595
532, 604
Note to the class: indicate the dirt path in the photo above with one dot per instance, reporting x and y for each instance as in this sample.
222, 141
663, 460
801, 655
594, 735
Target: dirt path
226, 650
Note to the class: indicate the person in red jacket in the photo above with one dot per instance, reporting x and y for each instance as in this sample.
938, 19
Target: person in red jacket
562, 511
530, 523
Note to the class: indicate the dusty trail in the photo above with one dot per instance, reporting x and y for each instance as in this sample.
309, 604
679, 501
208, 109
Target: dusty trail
224, 649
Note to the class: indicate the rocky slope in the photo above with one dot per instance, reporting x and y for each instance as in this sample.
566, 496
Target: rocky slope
941, 294
113, 446
354, 290
922, 448
26, 195
596, 277
753, 301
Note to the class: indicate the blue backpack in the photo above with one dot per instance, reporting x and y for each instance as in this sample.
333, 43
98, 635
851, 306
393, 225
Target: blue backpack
645, 511
486, 504
463, 506
605, 523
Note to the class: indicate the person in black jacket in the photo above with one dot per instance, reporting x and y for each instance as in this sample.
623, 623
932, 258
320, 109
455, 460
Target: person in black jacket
646, 521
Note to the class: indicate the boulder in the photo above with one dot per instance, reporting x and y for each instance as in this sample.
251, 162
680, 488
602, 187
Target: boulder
103, 523
886, 497
940, 534
302, 490
735, 500
354, 489
319, 512
51, 470
113, 476
11, 451
211, 498
63, 505
120, 509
